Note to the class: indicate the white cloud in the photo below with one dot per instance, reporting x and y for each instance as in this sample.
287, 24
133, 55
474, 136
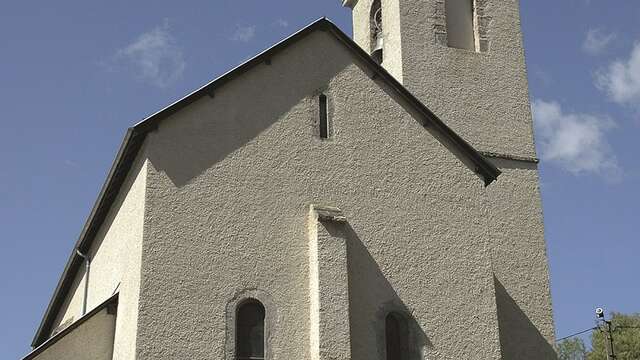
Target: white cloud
244, 33
621, 79
282, 23
154, 57
575, 142
597, 41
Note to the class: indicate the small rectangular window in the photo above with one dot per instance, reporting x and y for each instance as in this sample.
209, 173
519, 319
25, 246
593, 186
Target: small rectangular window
460, 24
324, 117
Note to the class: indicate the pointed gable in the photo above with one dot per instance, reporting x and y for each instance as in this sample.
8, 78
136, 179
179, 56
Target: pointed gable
136, 136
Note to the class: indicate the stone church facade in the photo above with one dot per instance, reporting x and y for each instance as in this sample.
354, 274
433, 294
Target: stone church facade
375, 198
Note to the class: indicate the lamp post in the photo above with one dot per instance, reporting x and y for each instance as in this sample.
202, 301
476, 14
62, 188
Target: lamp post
606, 326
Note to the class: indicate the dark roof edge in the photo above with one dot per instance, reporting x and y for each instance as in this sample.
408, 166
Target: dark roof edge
135, 136
117, 173
477, 162
113, 300
210, 87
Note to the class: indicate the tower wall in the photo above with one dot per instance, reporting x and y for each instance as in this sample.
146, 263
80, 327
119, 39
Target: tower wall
362, 31
482, 94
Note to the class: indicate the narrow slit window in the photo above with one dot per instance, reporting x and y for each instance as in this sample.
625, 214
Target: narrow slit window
250, 331
324, 116
460, 16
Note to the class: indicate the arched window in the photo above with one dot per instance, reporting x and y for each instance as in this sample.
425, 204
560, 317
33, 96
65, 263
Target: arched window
250, 331
396, 337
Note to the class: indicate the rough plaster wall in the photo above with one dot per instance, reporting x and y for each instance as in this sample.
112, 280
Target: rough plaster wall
460, 24
115, 264
520, 263
230, 182
71, 308
92, 340
391, 31
482, 96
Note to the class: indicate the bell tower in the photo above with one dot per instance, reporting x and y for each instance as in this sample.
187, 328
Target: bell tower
463, 58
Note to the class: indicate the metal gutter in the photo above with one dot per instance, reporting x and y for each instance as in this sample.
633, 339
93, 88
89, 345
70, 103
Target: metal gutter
87, 271
119, 169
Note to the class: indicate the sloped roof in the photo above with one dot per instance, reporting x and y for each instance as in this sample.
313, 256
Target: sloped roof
135, 137
112, 301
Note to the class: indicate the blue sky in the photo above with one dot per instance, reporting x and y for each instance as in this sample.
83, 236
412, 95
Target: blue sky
75, 74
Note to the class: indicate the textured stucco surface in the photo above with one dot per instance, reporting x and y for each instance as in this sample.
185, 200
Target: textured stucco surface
520, 263
91, 340
482, 96
230, 182
328, 290
115, 264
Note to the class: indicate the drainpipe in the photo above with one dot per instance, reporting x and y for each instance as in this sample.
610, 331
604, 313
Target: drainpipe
87, 262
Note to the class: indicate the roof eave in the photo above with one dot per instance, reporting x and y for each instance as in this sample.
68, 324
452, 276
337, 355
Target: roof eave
118, 171
113, 300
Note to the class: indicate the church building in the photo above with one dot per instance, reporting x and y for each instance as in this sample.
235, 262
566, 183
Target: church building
374, 198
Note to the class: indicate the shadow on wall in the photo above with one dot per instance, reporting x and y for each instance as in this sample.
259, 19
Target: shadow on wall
210, 129
519, 338
371, 298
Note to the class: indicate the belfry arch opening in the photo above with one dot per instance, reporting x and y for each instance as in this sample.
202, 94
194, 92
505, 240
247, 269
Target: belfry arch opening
461, 18
377, 37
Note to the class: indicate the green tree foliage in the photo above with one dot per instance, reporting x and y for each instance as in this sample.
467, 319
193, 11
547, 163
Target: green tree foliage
626, 339
571, 349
